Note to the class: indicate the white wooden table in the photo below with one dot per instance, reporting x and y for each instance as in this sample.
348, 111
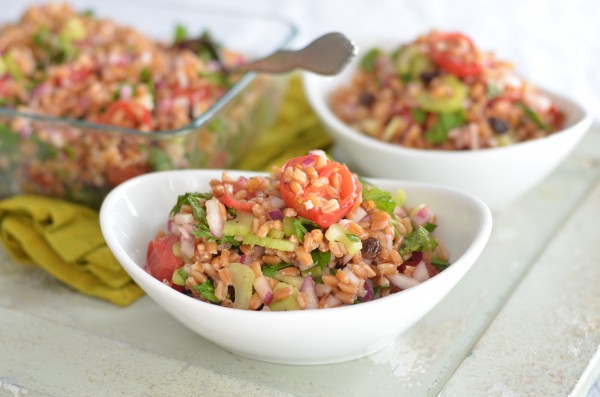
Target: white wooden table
524, 321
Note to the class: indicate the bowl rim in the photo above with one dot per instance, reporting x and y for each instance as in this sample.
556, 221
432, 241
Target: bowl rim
312, 84
208, 114
130, 266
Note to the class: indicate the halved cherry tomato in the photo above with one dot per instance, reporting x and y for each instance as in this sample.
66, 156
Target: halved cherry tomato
129, 114
349, 193
442, 43
116, 175
162, 262
557, 118
241, 205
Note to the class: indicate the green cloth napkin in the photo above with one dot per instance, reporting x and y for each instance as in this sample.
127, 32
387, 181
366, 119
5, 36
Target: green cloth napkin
66, 241
295, 131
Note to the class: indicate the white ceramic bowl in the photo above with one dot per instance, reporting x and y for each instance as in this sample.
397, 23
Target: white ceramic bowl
134, 211
498, 175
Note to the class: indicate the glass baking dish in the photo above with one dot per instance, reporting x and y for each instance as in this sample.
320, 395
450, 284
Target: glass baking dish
71, 159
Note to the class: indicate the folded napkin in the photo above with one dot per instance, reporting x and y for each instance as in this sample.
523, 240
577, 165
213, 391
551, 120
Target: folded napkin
295, 131
66, 241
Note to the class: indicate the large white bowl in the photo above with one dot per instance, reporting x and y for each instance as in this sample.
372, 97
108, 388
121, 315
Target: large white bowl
497, 175
134, 211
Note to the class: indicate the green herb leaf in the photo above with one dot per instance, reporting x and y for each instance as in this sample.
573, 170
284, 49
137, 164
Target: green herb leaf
353, 238
446, 121
302, 226
217, 78
88, 13
270, 270
441, 264
430, 227
368, 61
8, 138
382, 199
192, 200
419, 115
321, 259
179, 276
159, 160
533, 116
180, 33
418, 240
146, 78
207, 290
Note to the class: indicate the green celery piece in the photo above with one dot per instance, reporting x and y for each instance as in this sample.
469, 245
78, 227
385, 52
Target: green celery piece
419, 115
446, 104
295, 281
336, 233
289, 303
269, 242
179, 276
240, 226
242, 278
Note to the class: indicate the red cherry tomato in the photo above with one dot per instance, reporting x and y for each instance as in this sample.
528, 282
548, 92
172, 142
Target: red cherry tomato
241, 205
162, 262
116, 175
441, 45
557, 118
348, 196
128, 114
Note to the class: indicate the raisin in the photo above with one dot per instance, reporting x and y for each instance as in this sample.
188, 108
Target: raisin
498, 125
366, 99
371, 248
427, 76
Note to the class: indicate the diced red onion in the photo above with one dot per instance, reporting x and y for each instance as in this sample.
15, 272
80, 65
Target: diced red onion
322, 289
263, 289
358, 214
308, 161
275, 215
421, 273
125, 92
347, 258
369, 292
353, 278
402, 281
389, 242
183, 218
332, 301
308, 288
213, 217
187, 247
276, 202
188, 227
423, 215
183, 232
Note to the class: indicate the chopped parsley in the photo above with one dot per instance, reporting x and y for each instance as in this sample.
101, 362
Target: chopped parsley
369, 60
180, 33
382, 199
438, 133
533, 116
441, 264
270, 270
321, 259
418, 240
419, 115
207, 290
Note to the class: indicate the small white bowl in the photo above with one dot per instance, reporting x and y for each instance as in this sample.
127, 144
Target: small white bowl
496, 175
134, 211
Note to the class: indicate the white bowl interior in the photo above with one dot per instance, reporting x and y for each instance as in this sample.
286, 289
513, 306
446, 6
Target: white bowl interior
134, 211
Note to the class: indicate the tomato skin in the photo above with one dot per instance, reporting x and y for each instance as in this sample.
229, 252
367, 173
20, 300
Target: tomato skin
161, 261
134, 114
229, 201
350, 192
116, 175
557, 118
449, 63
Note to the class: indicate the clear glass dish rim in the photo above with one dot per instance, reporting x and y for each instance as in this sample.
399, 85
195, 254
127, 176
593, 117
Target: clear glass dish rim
229, 95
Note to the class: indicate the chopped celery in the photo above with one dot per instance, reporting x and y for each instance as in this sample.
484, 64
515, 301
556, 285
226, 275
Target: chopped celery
336, 232
179, 276
240, 226
270, 270
269, 242
400, 197
242, 278
444, 104
289, 303
276, 233
295, 281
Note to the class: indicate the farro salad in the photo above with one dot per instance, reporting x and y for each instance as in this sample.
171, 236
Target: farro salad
441, 91
308, 236
62, 62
